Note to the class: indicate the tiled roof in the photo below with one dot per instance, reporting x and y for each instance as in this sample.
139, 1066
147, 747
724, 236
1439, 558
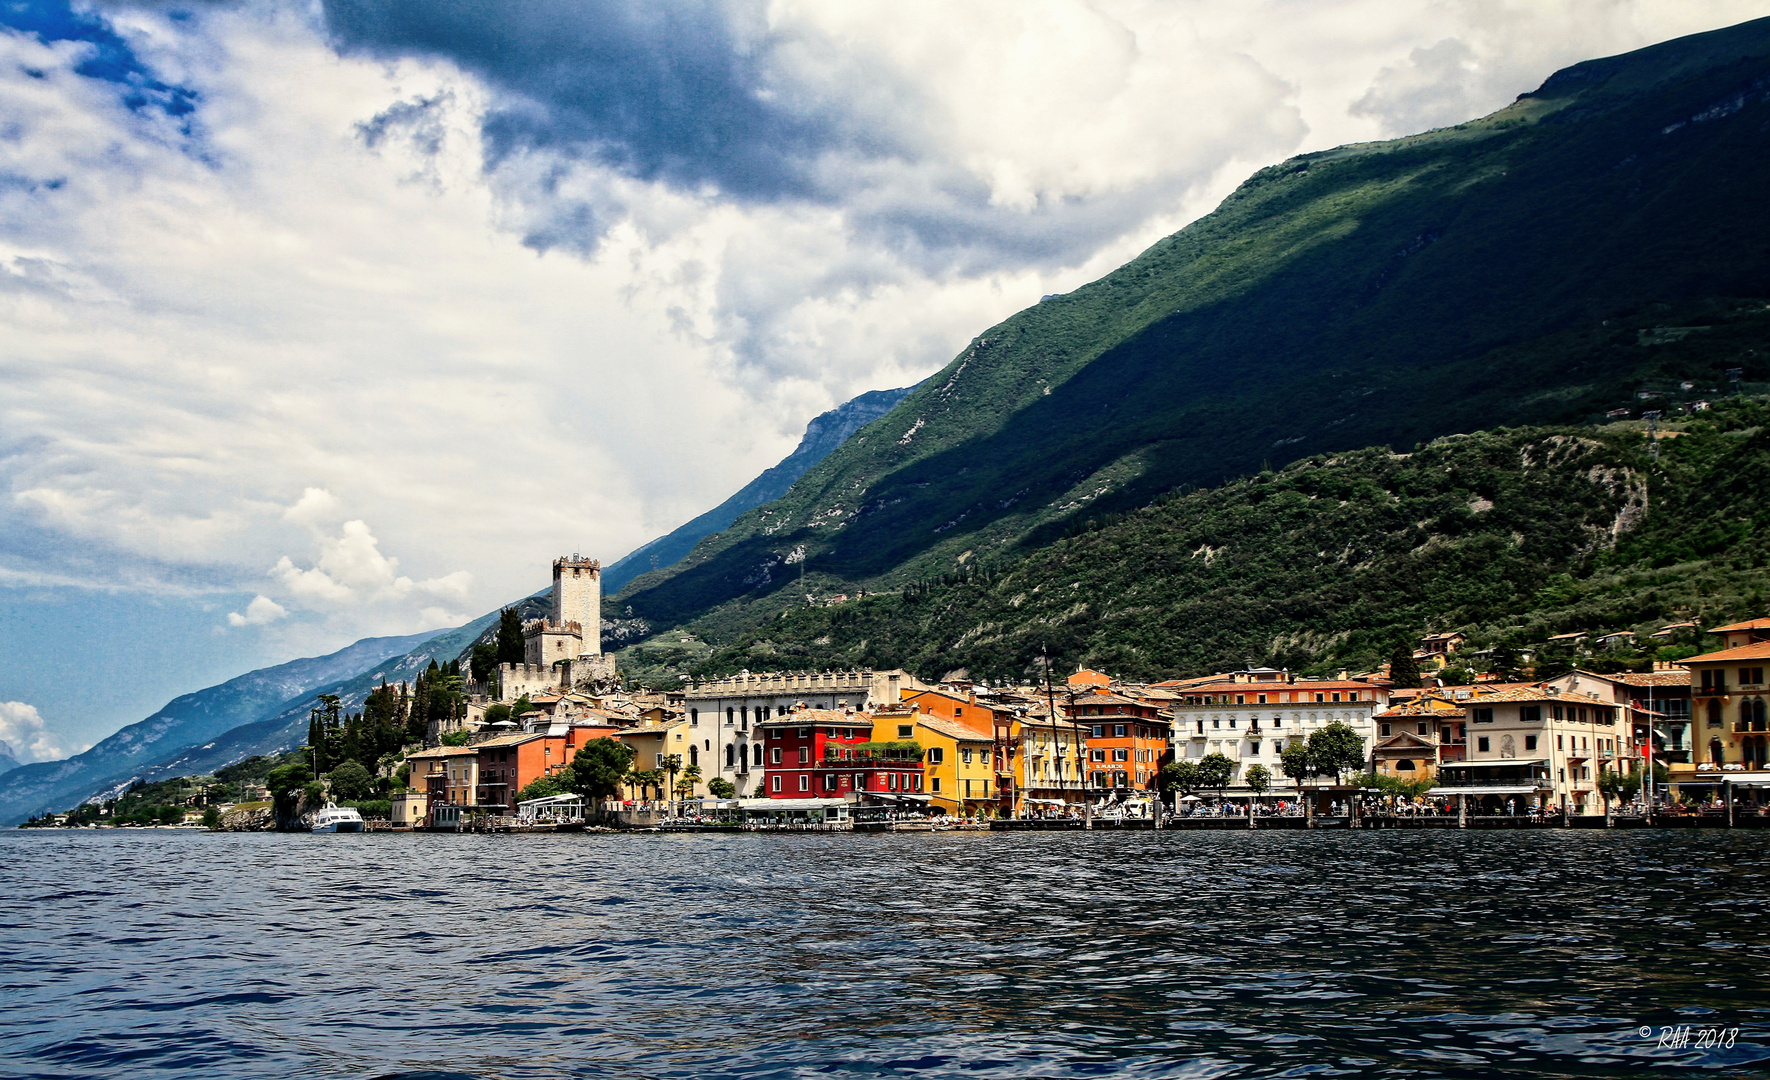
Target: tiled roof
1749, 624
952, 729
1756, 651
1655, 678
497, 741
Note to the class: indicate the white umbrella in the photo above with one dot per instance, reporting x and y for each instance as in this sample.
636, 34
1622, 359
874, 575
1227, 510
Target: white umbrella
1190, 798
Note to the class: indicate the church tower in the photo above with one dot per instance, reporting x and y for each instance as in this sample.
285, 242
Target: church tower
577, 598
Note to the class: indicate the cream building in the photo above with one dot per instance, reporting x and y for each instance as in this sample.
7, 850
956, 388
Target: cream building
1251, 716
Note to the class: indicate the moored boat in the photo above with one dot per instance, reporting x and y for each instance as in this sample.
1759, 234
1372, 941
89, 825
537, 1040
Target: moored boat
338, 819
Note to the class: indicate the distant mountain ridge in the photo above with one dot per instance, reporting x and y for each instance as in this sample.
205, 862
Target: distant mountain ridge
185, 720
823, 435
1378, 294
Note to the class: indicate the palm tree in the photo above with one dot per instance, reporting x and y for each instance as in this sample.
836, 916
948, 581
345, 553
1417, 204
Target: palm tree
690, 777
670, 764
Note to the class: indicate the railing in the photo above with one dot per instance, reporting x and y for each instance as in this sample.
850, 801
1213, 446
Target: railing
1742, 727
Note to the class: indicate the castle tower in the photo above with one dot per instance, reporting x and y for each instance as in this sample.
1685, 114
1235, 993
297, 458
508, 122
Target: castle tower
577, 598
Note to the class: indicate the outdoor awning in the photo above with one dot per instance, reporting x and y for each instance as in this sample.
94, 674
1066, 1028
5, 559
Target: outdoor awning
1495, 763
1491, 789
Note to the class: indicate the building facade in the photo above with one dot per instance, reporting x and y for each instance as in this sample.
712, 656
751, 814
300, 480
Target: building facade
724, 713
1251, 716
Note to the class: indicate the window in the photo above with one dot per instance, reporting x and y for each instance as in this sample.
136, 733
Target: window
1336, 697
758, 753
731, 755
1714, 714
936, 755
1422, 726
1239, 699
829, 733
1121, 755
965, 757
1530, 742
1385, 730
1558, 745
1481, 716
776, 785
694, 717
694, 756
1096, 755
958, 711
1444, 735
805, 733
1254, 748
729, 714
890, 781
804, 782
848, 733
1262, 700
918, 781
1118, 731
1530, 714
905, 731
774, 756
1404, 765
805, 755
829, 781
1481, 744
936, 784
860, 781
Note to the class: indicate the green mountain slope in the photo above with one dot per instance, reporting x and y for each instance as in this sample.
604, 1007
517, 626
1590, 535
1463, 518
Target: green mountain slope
1511, 536
1496, 273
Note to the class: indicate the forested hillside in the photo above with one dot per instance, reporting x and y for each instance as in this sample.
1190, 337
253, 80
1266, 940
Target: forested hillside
1512, 270
1511, 536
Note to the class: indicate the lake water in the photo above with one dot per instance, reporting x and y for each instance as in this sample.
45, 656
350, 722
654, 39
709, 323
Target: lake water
1418, 954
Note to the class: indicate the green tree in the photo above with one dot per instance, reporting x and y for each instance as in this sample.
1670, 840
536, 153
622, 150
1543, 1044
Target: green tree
598, 768
670, 766
484, 661
285, 783
350, 781
455, 738
497, 713
1335, 749
170, 815
1403, 672
509, 642
1214, 772
522, 705
684, 787
1614, 786
540, 787
1294, 762
721, 788
1178, 776
212, 817
1259, 778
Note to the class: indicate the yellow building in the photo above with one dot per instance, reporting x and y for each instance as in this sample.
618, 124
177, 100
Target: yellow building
961, 776
1728, 695
653, 744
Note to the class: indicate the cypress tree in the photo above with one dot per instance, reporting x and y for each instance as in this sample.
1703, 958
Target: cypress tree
509, 640
1403, 672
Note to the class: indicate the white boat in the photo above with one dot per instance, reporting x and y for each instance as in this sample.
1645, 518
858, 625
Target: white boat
338, 819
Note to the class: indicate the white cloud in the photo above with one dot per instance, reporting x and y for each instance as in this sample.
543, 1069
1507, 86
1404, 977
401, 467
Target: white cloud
228, 350
28, 736
261, 611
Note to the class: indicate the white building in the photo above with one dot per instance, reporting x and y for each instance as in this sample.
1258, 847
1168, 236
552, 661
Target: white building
1251, 716
724, 712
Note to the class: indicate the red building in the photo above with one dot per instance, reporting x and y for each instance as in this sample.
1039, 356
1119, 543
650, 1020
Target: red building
831, 753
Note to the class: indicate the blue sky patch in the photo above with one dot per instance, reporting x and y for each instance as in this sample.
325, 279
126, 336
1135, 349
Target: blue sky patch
112, 60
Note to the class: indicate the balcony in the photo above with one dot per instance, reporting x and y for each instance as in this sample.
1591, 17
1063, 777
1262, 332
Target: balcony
1754, 727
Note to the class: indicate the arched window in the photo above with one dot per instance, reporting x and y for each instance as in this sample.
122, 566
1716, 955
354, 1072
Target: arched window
1404, 765
694, 717
1757, 705
758, 753
694, 755
730, 755
1715, 751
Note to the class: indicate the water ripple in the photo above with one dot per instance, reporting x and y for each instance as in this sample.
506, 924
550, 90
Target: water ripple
752, 957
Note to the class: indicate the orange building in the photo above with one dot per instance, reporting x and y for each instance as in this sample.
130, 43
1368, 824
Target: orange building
1125, 738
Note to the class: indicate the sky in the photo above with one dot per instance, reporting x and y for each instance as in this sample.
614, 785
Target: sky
324, 320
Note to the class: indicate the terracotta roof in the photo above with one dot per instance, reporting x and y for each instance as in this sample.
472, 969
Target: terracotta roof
1310, 685
442, 752
824, 718
952, 729
1756, 651
1749, 624
1427, 705
1101, 697
1655, 678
